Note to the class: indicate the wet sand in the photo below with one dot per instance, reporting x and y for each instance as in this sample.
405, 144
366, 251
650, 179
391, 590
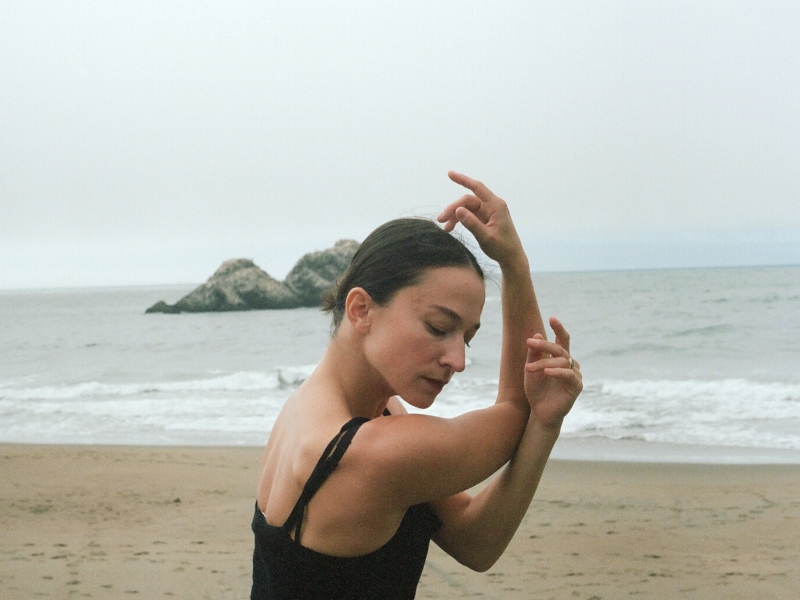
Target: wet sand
123, 522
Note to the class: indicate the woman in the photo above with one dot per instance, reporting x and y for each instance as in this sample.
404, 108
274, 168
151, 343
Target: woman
340, 515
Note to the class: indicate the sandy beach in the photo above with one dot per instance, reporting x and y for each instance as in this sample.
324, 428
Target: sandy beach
149, 522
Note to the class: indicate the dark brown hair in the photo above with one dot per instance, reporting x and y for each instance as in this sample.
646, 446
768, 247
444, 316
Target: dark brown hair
395, 256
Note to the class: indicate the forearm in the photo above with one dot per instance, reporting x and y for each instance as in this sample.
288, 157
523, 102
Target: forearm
521, 320
487, 217
488, 522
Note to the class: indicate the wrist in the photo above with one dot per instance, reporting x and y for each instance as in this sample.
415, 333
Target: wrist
549, 429
515, 264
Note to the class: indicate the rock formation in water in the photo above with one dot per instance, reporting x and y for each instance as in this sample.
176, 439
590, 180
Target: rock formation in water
316, 272
241, 285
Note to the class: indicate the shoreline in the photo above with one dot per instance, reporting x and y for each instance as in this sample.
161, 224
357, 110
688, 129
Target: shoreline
599, 449
174, 521
584, 449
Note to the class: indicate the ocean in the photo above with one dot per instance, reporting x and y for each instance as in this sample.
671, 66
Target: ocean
696, 365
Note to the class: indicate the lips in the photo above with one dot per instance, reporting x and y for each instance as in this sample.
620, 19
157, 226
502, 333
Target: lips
436, 384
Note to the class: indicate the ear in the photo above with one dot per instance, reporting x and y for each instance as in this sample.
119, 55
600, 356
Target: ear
357, 309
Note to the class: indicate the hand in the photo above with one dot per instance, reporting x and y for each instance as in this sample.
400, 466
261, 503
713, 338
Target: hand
485, 216
551, 385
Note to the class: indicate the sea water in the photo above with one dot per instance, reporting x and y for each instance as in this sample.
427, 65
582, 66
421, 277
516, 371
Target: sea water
699, 364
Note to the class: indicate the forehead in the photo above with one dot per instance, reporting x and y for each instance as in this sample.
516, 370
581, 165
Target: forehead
451, 291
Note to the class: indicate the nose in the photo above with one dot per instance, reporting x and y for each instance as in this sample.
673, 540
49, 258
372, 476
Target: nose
455, 356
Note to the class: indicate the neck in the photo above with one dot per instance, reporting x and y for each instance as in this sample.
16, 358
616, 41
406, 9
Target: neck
354, 383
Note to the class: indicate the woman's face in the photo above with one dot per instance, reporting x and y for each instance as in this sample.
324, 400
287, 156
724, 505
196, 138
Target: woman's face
416, 341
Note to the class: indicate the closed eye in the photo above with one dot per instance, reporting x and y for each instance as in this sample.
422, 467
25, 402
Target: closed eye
441, 333
469, 337
436, 331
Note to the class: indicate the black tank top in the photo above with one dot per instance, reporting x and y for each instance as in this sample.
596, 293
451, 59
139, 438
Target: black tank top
283, 569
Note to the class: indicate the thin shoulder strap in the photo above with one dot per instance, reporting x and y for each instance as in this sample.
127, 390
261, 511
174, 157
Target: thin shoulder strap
325, 465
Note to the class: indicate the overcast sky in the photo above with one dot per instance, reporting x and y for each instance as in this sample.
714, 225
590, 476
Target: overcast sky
146, 142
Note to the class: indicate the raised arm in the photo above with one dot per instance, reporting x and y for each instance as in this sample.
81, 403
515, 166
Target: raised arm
465, 450
478, 529
487, 217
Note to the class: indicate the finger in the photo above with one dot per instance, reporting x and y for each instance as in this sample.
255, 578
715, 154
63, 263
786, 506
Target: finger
472, 223
562, 337
546, 363
477, 187
534, 353
469, 201
550, 361
531, 358
448, 215
568, 376
553, 348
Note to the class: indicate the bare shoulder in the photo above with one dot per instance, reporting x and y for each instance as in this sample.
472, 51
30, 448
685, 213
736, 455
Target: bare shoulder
294, 447
414, 458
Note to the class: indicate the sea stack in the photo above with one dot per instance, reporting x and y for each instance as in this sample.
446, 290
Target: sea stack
239, 284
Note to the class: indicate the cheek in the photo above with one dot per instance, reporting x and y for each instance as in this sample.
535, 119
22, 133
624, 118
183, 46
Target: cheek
398, 357
389, 352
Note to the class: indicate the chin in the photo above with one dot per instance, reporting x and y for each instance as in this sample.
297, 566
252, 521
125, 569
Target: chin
420, 402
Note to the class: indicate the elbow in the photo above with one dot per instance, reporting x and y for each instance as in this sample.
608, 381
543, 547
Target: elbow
479, 563
483, 567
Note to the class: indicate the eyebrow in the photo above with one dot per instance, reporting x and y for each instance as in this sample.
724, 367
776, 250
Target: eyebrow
453, 314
